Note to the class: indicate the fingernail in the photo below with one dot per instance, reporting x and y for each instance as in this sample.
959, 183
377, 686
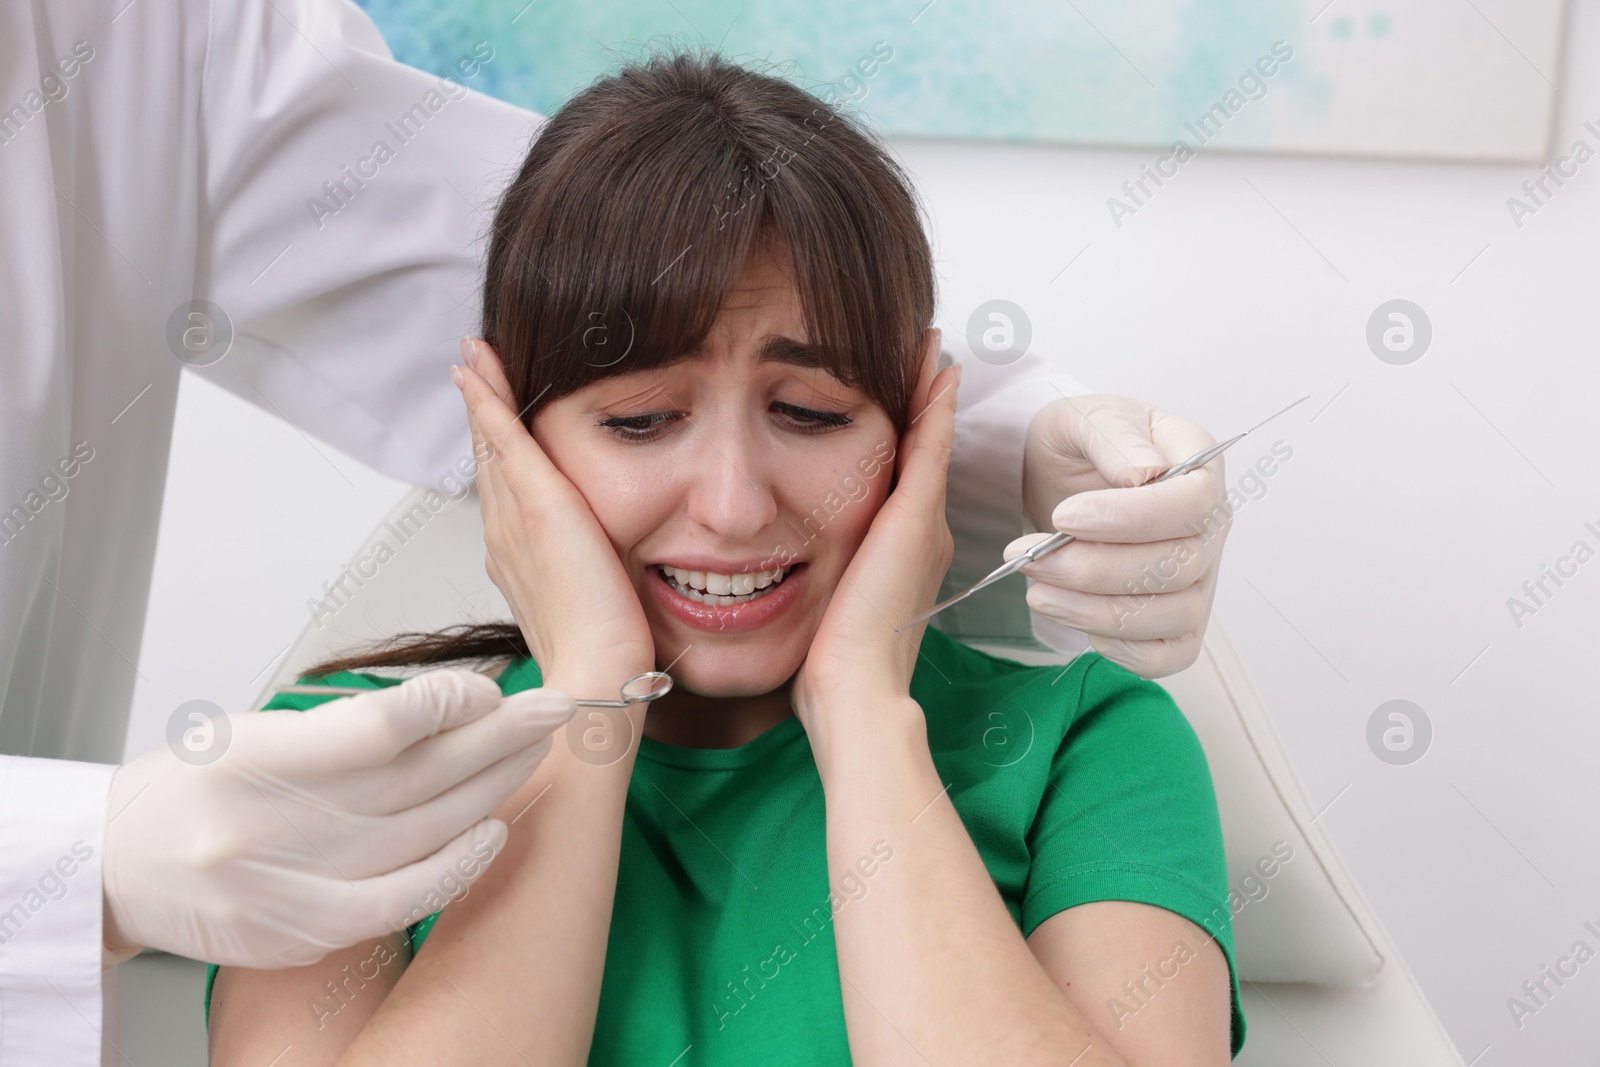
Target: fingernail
457, 377
469, 352
1019, 546
1070, 516
544, 705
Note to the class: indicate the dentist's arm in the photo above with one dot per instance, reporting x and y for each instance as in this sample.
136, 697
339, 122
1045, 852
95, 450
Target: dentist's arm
350, 274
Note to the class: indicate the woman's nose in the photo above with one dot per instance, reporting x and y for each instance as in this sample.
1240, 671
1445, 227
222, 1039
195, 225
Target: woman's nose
729, 485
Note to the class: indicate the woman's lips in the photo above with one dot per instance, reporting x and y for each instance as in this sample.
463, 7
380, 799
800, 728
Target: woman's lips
730, 618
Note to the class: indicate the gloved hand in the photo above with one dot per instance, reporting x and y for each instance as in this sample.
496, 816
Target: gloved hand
1141, 576
316, 829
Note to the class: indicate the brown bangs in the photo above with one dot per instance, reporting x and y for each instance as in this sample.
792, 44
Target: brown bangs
643, 198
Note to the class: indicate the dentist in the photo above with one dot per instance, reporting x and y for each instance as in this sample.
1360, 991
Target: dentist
255, 190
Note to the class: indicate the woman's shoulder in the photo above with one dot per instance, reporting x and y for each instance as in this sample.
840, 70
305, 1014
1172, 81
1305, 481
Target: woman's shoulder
958, 685
952, 668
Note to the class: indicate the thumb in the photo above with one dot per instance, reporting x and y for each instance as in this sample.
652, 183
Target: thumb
925, 455
928, 392
372, 729
511, 463
1120, 448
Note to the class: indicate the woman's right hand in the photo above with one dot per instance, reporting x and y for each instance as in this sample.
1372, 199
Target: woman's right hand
547, 553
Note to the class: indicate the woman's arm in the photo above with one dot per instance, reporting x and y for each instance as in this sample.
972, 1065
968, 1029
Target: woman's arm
931, 965
306, 1015
1155, 984
510, 974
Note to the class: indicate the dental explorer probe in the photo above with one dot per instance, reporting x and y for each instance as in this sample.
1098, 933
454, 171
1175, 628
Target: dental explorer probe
640, 689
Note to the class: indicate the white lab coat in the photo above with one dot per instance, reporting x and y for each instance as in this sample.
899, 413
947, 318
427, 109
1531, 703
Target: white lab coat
160, 151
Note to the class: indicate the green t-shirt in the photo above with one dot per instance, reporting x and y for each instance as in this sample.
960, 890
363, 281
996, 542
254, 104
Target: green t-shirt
1076, 784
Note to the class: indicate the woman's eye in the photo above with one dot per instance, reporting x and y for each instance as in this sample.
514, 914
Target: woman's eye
807, 421
651, 426
638, 427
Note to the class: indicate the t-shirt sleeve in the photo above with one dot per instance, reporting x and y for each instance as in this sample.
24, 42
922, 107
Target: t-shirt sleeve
1129, 813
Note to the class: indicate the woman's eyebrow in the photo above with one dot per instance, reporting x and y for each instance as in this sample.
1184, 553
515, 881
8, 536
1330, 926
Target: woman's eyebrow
788, 350
774, 349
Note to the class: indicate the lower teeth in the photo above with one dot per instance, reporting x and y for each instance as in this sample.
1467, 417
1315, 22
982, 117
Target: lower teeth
720, 601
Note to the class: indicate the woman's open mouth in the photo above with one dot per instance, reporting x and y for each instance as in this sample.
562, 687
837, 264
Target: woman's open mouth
727, 603
707, 587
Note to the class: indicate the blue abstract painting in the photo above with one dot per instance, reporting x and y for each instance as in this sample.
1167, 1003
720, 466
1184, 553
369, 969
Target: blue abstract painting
1432, 78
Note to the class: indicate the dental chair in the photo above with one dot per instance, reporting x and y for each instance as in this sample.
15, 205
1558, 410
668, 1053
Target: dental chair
1321, 980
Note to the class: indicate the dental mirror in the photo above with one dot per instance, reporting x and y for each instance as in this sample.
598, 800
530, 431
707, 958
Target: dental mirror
640, 689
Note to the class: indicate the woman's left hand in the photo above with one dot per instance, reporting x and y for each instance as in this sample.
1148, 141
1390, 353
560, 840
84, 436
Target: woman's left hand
856, 658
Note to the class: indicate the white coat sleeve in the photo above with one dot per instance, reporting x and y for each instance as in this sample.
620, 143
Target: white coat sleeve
346, 199
984, 503
52, 828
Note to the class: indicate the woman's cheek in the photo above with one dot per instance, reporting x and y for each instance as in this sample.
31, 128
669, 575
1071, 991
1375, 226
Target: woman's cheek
861, 521
627, 497
856, 511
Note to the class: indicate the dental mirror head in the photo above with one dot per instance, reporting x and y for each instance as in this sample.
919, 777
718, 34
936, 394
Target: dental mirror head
650, 685
640, 689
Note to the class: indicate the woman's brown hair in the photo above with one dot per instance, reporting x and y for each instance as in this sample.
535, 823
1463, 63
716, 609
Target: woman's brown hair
637, 207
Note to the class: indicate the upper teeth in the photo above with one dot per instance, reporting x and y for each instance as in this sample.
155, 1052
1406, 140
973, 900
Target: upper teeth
725, 584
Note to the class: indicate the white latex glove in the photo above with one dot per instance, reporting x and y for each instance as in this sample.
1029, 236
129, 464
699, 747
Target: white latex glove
1141, 576
316, 829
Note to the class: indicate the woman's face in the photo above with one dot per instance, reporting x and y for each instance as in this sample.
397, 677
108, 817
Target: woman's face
734, 485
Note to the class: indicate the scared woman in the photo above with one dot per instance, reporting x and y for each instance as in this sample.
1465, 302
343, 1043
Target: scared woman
713, 441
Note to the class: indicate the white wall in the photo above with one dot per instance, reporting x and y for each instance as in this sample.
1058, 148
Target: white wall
1377, 565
